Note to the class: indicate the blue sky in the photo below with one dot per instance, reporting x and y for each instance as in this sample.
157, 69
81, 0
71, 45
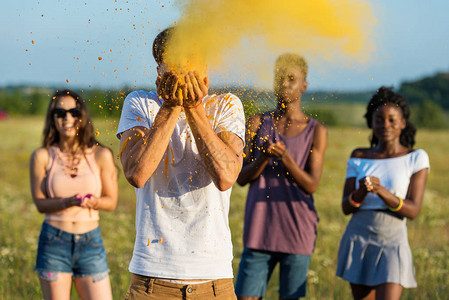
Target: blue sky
412, 39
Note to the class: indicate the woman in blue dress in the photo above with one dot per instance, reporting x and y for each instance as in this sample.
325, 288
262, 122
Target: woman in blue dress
384, 186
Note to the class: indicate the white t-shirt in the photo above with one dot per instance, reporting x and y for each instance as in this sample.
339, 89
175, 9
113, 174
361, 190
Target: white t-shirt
182, 228
394, 174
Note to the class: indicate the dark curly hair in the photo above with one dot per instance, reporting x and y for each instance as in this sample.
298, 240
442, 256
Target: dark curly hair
86, 135
383, 96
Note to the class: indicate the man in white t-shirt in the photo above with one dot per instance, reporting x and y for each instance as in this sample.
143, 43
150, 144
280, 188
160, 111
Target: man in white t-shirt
182, 155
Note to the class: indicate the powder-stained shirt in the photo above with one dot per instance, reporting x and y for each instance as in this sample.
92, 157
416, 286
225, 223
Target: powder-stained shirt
182, 228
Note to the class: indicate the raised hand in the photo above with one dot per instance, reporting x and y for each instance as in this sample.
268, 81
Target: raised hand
274, 149
370, 184
195, 89
167, 89
90, 201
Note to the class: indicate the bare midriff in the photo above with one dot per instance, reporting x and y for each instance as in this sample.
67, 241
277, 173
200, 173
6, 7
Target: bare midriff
74, 227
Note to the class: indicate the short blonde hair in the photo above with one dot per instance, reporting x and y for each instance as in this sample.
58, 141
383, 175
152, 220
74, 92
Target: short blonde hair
289, 59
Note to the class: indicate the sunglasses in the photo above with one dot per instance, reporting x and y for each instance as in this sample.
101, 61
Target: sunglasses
60, 113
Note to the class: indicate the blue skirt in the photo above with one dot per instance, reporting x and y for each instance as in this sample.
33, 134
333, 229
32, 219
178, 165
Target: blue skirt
374, 249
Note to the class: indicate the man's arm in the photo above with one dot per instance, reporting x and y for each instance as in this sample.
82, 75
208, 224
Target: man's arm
221, 154
142, 149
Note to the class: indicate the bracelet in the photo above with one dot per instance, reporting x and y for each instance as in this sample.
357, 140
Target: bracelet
191, 107
352, 202
400, 206
63, 203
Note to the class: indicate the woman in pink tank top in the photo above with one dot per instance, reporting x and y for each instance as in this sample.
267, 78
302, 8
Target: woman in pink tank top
72, 177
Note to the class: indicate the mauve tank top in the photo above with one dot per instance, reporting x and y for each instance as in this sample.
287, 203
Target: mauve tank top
280, 216
61, 183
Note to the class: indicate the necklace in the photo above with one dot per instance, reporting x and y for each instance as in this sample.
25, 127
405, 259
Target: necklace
70, 161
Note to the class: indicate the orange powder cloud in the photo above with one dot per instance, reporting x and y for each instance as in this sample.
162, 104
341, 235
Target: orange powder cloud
208, 30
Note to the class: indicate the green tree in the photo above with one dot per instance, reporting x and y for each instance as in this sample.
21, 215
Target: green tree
429, 114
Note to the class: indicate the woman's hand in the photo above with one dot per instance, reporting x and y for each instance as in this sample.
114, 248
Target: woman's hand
274, 149
90, 201
370, 184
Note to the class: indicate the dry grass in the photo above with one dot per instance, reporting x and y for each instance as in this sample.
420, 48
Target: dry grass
20, 222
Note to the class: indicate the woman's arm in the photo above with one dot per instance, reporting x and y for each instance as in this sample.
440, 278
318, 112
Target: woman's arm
38, 162
411, 205
309, 180
350, 193
108, 176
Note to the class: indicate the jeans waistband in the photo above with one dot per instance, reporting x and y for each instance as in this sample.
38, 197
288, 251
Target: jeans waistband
70, 236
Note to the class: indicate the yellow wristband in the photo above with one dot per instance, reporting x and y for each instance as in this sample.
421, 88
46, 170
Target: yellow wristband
400, 205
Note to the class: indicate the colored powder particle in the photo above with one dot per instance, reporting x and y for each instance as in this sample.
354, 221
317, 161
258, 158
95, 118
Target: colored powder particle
32, 41
149, 241
97, 133
123, 147
67, 80
172, 155
161, 240
100, 58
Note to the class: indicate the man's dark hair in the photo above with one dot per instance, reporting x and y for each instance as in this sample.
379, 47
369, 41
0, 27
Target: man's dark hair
160, 44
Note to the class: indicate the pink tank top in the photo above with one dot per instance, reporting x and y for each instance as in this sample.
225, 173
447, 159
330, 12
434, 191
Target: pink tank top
64, 181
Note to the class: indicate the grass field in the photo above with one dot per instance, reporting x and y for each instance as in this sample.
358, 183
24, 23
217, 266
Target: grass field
20, 222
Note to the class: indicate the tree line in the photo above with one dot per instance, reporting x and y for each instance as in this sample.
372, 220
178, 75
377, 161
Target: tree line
429, 99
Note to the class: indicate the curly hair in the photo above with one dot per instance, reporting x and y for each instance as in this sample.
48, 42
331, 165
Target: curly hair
383, 96
86, 136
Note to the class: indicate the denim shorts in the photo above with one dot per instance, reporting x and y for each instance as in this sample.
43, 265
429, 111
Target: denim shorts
256, 267
78, 254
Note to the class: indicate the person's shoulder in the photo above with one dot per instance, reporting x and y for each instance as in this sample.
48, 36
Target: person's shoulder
102, 154
141, 95
360, 152
225, 98
253, 122
319, 127
420, 154
40, 155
